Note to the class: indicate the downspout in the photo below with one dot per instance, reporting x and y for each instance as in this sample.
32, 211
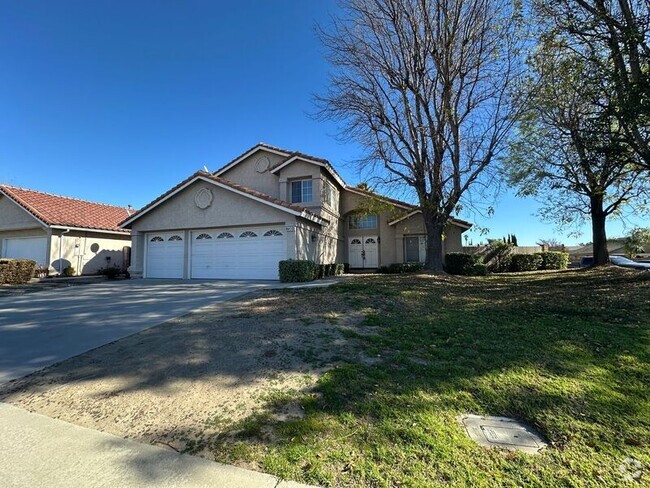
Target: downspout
61, 250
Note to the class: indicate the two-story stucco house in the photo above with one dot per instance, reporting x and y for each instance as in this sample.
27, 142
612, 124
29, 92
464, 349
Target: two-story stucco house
267, 205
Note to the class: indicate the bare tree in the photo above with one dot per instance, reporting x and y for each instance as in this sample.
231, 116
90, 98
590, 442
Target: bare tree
425, 87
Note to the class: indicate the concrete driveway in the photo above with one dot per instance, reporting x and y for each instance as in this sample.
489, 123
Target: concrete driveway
43, 328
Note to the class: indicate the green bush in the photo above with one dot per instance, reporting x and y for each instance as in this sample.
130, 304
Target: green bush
293, 270
330, 269
525, 262
554, 259
68, 271
459, 263
479, 269
399, 268
339, 269
16, 271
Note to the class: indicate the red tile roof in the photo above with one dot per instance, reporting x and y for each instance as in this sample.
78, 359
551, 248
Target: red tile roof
235, 186
66, 211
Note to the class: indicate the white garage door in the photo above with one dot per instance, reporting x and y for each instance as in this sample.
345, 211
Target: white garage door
165, 255
238, 253
26, 248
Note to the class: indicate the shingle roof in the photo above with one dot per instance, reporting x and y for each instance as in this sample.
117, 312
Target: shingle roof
235, 186
66, 211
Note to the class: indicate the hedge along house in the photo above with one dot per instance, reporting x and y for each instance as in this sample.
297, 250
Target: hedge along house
58, 232
267, 205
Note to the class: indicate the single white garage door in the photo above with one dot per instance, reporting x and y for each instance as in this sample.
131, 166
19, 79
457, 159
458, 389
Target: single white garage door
165, 255
26, 248
238, 253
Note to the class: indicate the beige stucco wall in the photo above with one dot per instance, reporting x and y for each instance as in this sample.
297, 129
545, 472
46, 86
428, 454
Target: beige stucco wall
14, 218
228, 209
452, 241
86, 251
245, 173
391, 238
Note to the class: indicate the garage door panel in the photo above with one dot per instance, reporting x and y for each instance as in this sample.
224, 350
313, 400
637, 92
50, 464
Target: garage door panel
248, 254
165, 255
26, 248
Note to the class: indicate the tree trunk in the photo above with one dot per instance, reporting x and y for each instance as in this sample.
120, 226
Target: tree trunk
599, 237
433, 261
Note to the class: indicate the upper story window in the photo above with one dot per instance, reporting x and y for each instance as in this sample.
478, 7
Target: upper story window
301, 191
363, 221
329, 194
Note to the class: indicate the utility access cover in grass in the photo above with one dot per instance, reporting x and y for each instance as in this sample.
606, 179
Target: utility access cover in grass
504, 433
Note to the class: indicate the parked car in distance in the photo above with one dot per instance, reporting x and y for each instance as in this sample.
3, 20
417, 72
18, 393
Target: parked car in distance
586, 261
627, 263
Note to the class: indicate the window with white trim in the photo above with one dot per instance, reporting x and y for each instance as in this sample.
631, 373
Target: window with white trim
203, 236
157, 239
363, 222
175, 238
248, 233
329, 194
301, 191
272, 233
225, 235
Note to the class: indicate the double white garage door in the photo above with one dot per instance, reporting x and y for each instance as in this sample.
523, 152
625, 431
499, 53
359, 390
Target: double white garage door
26, 248
233, 253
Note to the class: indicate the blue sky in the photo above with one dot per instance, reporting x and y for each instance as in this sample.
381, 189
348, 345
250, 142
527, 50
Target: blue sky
118, 101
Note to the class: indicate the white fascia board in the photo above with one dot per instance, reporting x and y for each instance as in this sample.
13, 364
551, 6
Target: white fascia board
259, 147
89, 229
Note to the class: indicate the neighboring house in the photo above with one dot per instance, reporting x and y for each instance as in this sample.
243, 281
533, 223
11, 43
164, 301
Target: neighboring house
58, 232
267, 205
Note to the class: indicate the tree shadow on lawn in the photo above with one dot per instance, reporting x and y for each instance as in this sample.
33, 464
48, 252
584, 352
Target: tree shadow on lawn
566, 352
566, 355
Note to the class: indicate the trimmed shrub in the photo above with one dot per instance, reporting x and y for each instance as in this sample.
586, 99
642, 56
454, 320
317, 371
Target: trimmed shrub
329, 269
460, 263
346, 268
399, 268
554, 259
292, 270
68, 271
479, 269
525, 262
339, 269
16, 271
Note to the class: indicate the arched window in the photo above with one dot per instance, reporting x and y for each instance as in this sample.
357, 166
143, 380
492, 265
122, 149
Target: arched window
248, 233
156, 239
371, 240
225, 235
272, 233
355, 241
203, 236
175, 238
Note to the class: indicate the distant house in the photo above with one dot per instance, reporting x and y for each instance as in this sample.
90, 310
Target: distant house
58, 232
270, 204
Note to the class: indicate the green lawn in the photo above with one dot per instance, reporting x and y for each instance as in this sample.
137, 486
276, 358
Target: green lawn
568, 352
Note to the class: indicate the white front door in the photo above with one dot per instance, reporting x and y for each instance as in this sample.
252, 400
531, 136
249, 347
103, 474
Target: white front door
363, 252
238, 253
34, 248
165, 255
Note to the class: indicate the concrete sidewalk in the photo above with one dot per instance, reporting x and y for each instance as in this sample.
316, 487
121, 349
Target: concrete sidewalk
40, 451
